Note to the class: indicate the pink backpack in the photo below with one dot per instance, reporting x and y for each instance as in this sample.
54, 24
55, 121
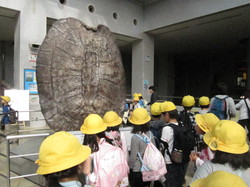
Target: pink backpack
153, 164
110, 166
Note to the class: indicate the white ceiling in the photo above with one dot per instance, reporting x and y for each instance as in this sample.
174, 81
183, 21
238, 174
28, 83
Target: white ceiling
225, 30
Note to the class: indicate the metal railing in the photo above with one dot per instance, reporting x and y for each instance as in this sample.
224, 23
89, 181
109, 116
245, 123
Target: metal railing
8, 156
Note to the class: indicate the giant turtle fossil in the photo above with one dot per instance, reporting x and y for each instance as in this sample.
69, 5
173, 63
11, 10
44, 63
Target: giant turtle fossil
79, 71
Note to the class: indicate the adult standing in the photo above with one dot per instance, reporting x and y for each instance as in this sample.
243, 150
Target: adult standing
222, 105
154, 96
244, 107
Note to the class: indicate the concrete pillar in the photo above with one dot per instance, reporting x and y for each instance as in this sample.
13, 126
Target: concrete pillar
30, 28
143, 65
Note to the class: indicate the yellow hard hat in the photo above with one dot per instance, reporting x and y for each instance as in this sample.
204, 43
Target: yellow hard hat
93, 124
139, 95
139, 116
60, 151
188, 101
227, 136
220, 179
135, 95
206, 121
204, 101
155, 109
111, 119
6, 98
136, 98
167, 106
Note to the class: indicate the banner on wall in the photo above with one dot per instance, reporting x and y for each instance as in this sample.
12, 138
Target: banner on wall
30, 81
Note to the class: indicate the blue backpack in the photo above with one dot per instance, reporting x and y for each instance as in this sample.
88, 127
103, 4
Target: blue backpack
219, 108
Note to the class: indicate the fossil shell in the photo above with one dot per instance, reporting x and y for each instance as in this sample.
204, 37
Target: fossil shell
79, 71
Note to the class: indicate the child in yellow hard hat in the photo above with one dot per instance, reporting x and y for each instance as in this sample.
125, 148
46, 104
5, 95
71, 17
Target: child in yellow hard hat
113, 122
140, 122
204, 123
204, 104
228, 140
62, 159
6, 108
110, 164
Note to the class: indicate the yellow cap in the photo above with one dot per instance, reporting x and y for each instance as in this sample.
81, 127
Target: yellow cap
204, 101
139, 95
136, 98
93, 124
155, 109
188, 101
60, 151
6, 98
111, 119
135, 95
220, 179
167, 106
206, 121
227, 136
139, 117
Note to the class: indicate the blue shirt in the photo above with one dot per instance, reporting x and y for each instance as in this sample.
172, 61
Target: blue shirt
5, 118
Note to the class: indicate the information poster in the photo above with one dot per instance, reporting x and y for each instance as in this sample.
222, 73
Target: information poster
30, 81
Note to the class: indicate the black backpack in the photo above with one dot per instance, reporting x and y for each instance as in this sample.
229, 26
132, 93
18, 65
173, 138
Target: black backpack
12, 115
184, 141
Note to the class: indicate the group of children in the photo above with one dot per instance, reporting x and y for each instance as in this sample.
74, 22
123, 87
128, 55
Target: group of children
103, 159
218, 148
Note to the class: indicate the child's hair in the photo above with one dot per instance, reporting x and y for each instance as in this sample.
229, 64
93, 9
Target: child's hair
115, 128
156, 116
204, 106
236, 161
188, 107
138, 129
91, 140
173, 114
52, 180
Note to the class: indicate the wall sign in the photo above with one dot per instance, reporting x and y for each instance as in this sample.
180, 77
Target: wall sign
30, 81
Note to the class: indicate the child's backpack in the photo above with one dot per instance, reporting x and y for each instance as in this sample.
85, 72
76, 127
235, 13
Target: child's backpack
153, 164
156, 128
219, 108
110, 166
12, 115
183, 144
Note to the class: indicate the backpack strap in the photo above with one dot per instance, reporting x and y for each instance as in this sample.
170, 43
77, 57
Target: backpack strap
248, 110
144, 137
167, 146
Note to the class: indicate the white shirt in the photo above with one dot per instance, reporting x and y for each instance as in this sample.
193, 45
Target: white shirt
243, 108
168, 136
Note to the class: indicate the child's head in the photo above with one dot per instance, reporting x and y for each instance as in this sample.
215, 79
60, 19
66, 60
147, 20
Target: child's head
155, 110
61, 155
205, 122
188, 102
168, 111
204, 102
139, 119
112, 121
5, 99
94, 129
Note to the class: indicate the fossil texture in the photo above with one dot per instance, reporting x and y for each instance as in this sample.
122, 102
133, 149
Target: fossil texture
79, 71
